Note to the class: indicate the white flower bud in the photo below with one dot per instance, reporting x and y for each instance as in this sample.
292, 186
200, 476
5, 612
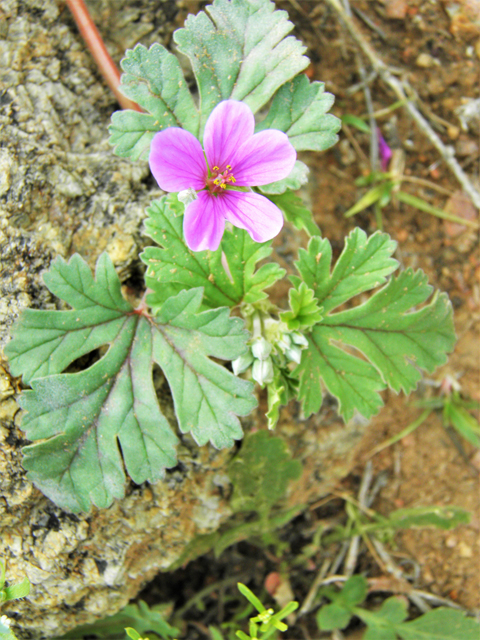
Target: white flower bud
285, 343
5, 621
187, 196
262, 371
299, 338
242, 363
261, 349
294, 354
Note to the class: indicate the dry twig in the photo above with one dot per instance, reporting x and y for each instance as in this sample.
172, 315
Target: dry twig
402, 88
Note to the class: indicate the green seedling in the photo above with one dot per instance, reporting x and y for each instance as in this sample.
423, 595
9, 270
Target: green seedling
389, 622
13, 592
455, 414
385, 187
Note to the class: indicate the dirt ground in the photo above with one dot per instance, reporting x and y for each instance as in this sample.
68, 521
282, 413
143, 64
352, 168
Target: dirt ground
439, 54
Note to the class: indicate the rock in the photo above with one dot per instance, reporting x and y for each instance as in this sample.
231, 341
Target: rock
425, 60
396, 9
62, 190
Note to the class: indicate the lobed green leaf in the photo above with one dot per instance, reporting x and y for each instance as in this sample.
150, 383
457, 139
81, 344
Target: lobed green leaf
153, 79
295, 212
382, 342
299, 108
228, 275
94, 425
239, 49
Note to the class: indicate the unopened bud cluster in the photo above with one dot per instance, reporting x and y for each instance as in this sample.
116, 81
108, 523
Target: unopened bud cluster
273, 344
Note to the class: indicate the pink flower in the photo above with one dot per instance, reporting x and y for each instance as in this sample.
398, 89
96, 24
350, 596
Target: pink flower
234, 157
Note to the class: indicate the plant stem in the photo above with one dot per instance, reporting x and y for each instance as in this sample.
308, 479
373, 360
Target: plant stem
97, 48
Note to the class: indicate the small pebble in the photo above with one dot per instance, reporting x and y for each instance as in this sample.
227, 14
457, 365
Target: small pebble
425, 61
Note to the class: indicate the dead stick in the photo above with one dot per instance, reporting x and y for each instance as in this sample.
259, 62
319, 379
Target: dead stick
398, 87
97, 48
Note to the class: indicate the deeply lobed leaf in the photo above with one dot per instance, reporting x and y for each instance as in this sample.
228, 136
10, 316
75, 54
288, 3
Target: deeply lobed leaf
228, 275
382, 342
93, 423
239, 49
153, 79
300, 110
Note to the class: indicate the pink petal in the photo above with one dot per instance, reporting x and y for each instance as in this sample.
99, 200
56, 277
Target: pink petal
267, 157
229, 125
259, 216
177, 161
203, 223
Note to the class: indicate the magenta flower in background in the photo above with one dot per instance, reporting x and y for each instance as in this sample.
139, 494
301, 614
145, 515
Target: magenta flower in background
384, 151
234, 157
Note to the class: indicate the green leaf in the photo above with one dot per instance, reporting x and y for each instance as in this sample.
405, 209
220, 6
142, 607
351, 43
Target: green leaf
154, 80
294, 181
446, 517
399, 342
356, 122
300, 110
333, 616
140, 616
382, 342
363, 264
373, 195
354, 591
305, 311
250, 596
16, 591
440, 624
354, 382
295, 212
131, 133
227, 275
260, 473
239, 50
463, 422
382, 623
87, 421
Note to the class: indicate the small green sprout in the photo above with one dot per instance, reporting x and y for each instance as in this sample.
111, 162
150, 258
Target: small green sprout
267, 621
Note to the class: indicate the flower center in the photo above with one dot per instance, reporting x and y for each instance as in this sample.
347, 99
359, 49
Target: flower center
219, 180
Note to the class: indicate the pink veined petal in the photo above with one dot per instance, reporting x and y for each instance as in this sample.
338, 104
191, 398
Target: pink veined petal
229, 125
203, 223
177, 161
259, 216
267, 157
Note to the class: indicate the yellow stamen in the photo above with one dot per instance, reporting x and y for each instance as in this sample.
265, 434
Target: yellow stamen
229, 167
223, 186
215, 169
216, 181
232, 179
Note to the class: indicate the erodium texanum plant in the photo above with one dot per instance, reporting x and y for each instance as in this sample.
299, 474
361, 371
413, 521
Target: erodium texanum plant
225, 151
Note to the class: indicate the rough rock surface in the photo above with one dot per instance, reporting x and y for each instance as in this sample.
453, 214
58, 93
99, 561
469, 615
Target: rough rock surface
63, 191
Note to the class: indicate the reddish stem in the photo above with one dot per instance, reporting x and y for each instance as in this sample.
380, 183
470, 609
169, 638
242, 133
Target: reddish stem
97, 48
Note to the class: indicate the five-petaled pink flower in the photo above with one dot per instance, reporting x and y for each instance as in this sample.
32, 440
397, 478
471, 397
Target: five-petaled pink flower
234, 157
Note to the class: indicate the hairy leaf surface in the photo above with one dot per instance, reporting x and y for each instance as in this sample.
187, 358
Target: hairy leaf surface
228, 275
239, 49
300, 110
386, 341
153, 79
97, 424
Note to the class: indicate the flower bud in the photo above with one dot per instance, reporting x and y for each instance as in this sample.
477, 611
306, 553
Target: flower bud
299, 338
242, 363
187, 196
261, 349
294, 354
262, 371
